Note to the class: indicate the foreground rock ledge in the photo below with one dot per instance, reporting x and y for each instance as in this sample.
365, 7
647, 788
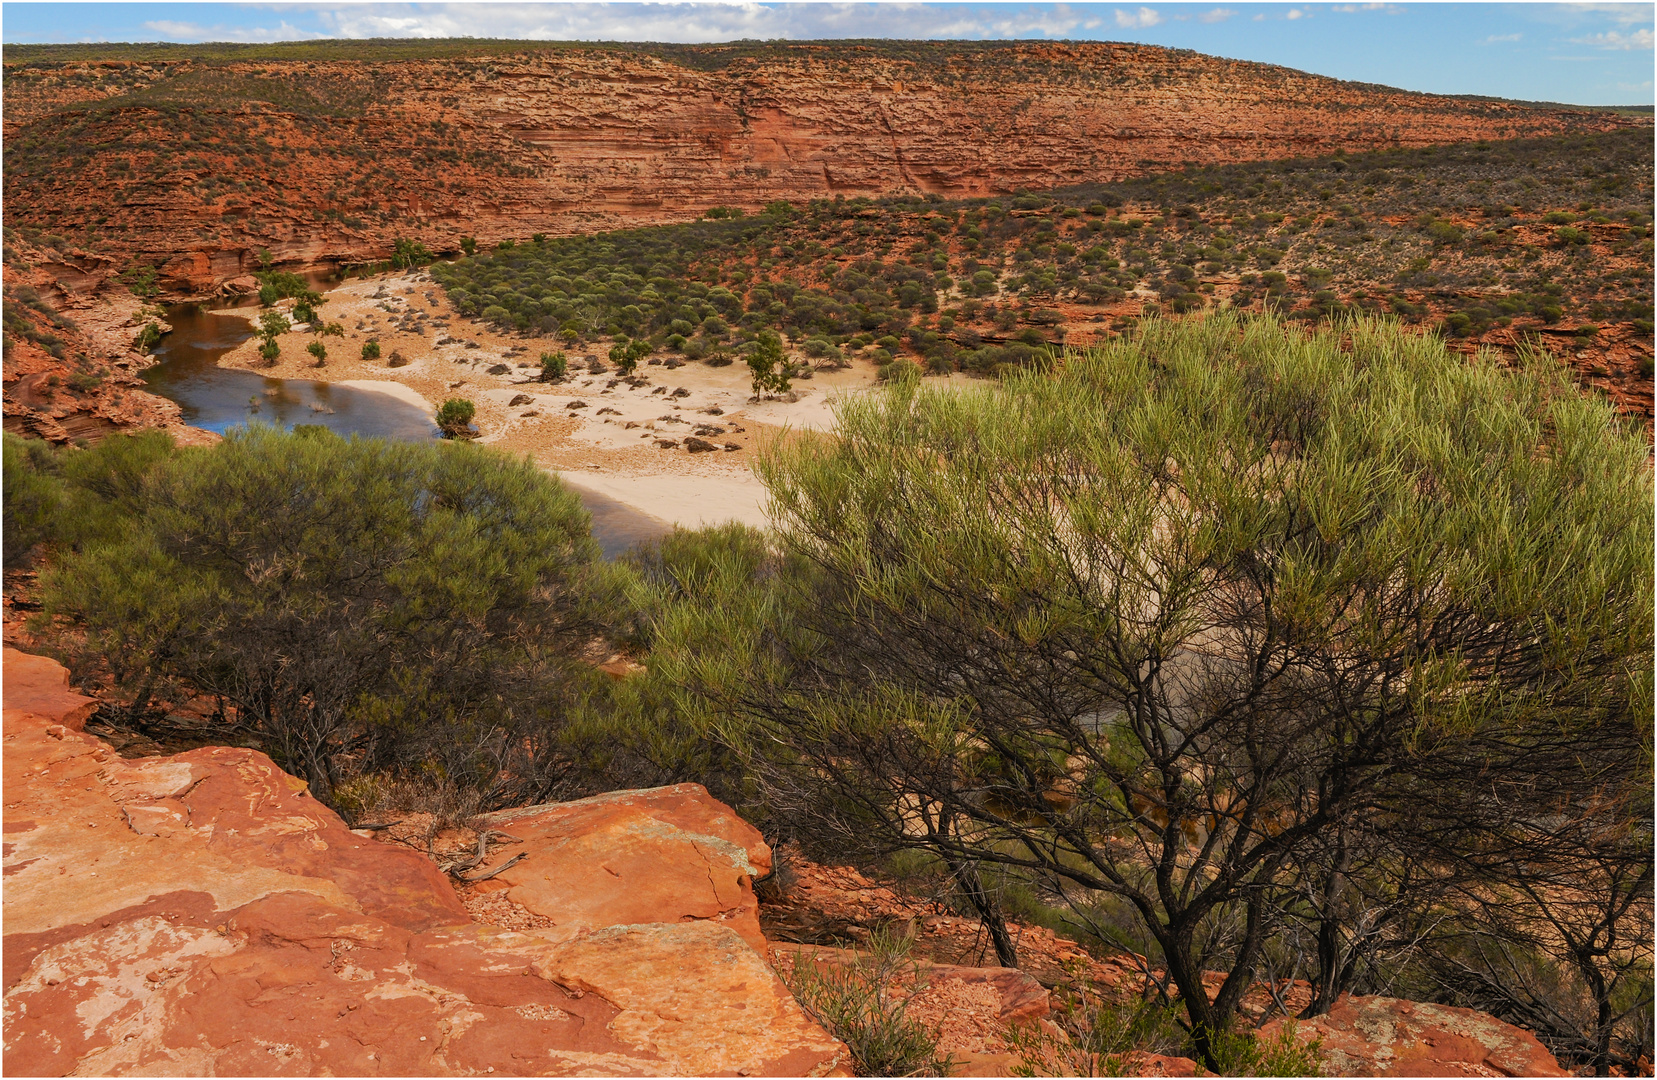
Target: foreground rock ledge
1383, 1036
200, 914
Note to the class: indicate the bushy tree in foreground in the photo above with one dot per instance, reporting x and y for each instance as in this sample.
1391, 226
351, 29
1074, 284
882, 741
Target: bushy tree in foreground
363, 605
1150, 629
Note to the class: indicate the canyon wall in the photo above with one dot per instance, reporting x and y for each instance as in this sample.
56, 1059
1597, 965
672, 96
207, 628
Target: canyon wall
200, 165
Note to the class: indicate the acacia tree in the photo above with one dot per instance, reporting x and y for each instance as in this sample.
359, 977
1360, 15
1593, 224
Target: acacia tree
272, 325
768, 365
1145, 627
356, 602
1556, 927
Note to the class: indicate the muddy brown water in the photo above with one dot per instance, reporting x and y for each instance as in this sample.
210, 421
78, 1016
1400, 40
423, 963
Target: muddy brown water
218, 399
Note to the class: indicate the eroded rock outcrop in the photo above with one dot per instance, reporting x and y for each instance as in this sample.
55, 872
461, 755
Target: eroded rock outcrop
201, 914
72, 361
1382, 1036
666, 855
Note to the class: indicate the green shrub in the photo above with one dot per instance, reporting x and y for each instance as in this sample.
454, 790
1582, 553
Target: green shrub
371, 350
415, 607
769, 373
855, 1004
454, 418
899, 370
1238, 469
33, 492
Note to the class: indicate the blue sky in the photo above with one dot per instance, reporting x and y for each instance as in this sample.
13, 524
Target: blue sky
1588, 53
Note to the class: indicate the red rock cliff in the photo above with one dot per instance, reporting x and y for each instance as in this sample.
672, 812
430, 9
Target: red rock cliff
202, 164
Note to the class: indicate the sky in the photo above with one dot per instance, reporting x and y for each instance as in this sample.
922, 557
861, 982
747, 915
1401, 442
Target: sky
1583, 53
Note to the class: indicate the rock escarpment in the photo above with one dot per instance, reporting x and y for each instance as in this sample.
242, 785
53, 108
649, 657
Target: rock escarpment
201, 914
72, 358
199, 164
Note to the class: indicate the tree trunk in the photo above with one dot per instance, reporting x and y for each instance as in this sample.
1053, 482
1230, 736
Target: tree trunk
1176, 950
1333, 970
989, 912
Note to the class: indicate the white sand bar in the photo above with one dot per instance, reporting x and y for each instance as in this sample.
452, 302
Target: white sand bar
692, 502
382, 386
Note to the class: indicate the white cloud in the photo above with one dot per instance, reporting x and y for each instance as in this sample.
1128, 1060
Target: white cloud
1348, 9
1611, 39
698, 22
1217, 15
173, 29
186, 31
1142, 19
1294, 13
1497, 39
1626, 14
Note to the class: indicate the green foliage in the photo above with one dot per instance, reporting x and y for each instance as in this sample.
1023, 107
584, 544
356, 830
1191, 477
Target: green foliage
32, 495
997, 574
1243, 1053
553, 366
408, 254
626, 354
1095, 1035
318, 350
469, 245
855, 1003
362, 604
147, 338
767, 366
1444, 233
901, 370
371, 350
270, 351
277, 285
99, 489
900, 257
454, 418
140, 280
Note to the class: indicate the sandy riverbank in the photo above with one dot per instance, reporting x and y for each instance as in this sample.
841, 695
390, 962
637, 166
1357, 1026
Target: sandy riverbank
623, 438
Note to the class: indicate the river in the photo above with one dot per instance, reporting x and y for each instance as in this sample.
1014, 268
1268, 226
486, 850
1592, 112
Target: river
219, 399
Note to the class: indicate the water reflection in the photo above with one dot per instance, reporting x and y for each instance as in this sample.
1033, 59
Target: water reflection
218, 399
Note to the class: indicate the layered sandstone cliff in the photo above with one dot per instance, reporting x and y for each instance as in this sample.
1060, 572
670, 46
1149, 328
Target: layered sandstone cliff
72, 357
201, 165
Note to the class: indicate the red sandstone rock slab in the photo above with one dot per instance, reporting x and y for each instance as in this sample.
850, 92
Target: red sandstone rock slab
664, 855
1382, 1036
202, 915
1140, 1063
34, 684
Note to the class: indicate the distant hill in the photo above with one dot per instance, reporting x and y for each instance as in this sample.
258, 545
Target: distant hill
200, 156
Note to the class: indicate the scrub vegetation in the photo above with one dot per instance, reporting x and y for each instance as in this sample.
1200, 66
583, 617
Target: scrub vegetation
1546, 240
1245, 645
